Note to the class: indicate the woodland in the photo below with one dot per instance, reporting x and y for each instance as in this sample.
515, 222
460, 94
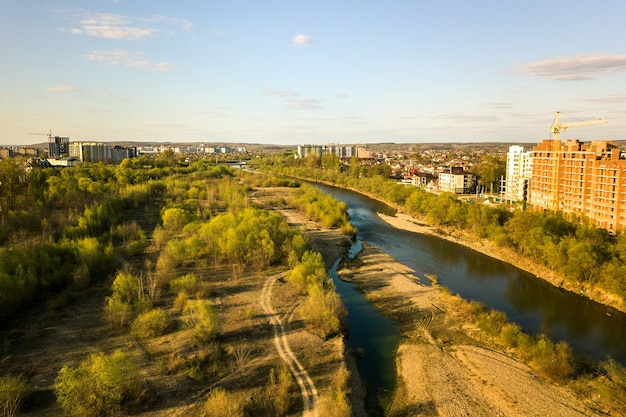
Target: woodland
159, 244
166, 248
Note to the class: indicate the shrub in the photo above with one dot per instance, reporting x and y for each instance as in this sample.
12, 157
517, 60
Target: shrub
99, 386
491, 321
310, 270
187, 283
278, 389
554, 361
221, 403
13, 391
117, 312
200, 316
181, 301
150, 324
323, 311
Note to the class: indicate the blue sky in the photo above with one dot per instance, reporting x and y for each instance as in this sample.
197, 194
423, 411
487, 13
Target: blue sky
295, 72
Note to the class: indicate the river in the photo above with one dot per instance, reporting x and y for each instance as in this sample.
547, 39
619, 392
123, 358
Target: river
591, 329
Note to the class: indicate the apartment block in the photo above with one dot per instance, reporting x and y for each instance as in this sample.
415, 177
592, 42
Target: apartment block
91, 151
58, 147
343, 152
458, 181
518, 173
585, 179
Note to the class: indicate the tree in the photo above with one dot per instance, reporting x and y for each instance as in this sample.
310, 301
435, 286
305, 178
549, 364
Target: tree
12, 184
202, 318
13, 391
99, 386
323, 311
221, 403
278, 389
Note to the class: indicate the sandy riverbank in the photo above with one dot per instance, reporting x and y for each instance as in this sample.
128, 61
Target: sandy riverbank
443, 369
406, 222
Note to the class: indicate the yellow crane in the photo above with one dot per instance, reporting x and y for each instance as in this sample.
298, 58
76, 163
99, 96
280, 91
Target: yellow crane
556, 127
555, 131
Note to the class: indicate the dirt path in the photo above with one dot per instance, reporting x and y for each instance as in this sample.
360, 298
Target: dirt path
307, 387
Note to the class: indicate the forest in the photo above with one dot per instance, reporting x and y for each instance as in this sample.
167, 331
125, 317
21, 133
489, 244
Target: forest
568, 245
162, 247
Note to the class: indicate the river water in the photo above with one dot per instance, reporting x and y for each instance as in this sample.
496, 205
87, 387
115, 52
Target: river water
591, 329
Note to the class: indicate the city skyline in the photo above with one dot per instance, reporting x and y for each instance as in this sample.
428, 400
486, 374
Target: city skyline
292, 73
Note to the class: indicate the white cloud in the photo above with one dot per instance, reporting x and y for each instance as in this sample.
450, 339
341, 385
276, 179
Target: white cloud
304, 104
282, 93
462, 117
184, 24
121, 57
611, 98
580, 67
63, 88
302, 40
114, 26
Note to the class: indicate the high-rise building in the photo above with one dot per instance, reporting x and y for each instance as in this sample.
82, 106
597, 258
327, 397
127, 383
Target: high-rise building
91, 151
58, 147
589, 180
518, 174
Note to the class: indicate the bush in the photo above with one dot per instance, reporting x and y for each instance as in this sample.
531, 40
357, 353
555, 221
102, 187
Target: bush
152, 323
187, 283
13, 391
278, 389
309, 271
554, 361
117, 312
221, 403
200, 316
323, 311
99, 386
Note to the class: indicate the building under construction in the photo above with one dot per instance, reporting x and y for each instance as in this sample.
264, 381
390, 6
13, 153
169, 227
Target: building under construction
586, 179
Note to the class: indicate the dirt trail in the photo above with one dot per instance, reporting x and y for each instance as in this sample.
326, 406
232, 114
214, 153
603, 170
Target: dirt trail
307, 387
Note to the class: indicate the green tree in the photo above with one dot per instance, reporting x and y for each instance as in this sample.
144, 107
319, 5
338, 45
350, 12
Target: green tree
323, 310
13, 391
99, 386
221, 403
201, 317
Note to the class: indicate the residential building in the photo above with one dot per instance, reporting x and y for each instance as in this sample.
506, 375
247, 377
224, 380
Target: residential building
342, 152
585, 179
119, 153
425, 180
91, 151
58, 147
518, 174
456, 180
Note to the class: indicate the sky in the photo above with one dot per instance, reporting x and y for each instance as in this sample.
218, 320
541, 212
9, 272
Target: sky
310, 72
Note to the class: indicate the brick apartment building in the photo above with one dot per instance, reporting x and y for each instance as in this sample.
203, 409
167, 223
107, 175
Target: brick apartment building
586, 179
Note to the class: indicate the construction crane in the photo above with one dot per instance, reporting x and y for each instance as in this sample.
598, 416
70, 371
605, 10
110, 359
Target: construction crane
556, 127
49, 134
557, 155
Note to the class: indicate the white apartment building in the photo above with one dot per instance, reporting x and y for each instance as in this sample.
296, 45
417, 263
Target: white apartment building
456, 180
91, 151
519, 164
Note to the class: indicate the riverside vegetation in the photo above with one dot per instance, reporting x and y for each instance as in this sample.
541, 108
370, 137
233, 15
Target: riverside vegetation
546, 238
135, 288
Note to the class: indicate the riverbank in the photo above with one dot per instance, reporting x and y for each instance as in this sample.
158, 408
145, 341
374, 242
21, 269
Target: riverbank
406, 222
445, 366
